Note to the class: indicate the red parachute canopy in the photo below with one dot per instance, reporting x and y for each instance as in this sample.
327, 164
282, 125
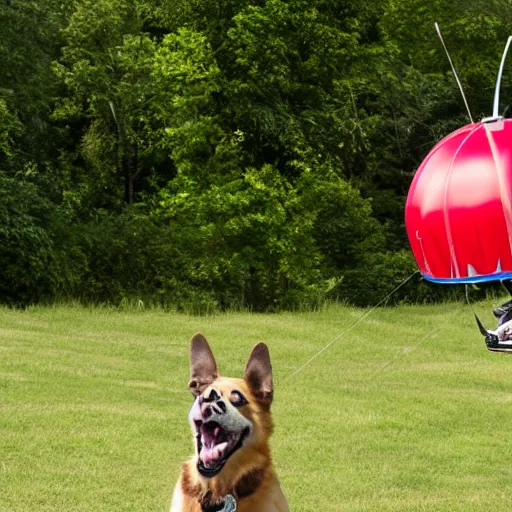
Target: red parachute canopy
458, 213
459, 207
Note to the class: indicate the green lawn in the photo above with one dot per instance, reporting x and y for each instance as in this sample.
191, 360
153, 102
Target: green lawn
408, 412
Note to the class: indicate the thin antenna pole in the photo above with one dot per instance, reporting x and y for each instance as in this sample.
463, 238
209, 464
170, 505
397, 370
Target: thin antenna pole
438, 30
495, 110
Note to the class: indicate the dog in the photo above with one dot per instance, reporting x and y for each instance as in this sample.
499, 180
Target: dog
231, 423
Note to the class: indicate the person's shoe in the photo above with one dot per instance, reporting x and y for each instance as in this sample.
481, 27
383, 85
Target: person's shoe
499, 311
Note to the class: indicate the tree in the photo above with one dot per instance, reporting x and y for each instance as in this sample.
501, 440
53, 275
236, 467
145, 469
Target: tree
269, 236
29, 41
106, 67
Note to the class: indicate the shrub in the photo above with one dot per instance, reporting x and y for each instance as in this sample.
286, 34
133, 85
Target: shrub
378, 274
27, 258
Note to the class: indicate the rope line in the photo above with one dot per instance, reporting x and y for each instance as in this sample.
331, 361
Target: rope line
350, 328
380, 370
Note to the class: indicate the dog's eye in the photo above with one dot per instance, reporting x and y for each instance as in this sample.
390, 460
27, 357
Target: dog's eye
237, 399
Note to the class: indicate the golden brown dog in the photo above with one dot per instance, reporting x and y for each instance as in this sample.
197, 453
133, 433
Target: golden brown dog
231, 422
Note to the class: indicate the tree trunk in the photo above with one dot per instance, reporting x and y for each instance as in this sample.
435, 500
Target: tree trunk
128, 183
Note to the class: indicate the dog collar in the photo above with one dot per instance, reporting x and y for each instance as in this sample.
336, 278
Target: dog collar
245, 487
227, 505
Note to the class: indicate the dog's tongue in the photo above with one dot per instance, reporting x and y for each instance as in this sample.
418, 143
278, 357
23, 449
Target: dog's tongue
212, 434
210, 455
214, 444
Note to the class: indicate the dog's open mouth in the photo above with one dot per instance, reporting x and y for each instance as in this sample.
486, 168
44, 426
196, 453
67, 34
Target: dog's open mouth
215, 445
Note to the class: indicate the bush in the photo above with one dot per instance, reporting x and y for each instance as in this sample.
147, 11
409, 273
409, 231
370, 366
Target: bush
257, 242
263, 242
27, 258
247, 242
378, 274
120, 257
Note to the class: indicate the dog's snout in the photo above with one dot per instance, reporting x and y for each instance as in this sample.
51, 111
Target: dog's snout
212, 405
212, 397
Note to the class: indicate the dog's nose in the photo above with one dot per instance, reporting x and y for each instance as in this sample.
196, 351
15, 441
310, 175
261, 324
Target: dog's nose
213, 396
209, 409
221, 406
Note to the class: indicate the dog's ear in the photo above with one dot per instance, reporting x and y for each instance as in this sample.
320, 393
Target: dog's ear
258, 374
203, 368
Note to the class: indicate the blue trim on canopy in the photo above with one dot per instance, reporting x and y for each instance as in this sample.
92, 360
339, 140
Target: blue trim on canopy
469, 280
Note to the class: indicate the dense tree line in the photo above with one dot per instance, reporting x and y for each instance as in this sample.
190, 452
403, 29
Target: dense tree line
229, 153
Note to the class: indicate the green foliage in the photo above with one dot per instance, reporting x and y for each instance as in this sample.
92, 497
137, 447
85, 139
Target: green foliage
249, 240
378, 275
213, 154
124, 257
10, 127
187, 78
475, 33
29, 42
27, 260
106, 67
255, 236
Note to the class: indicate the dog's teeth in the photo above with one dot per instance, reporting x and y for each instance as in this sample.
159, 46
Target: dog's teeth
218, 451
221, 447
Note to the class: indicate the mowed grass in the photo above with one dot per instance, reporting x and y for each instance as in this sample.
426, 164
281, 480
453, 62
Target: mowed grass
407, 412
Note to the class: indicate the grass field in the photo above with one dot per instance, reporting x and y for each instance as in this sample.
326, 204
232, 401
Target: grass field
408, 412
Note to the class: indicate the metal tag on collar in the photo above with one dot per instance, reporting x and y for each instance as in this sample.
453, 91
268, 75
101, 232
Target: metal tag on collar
229, 504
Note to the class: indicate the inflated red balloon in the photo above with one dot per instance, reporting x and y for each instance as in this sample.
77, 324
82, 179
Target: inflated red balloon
459, 207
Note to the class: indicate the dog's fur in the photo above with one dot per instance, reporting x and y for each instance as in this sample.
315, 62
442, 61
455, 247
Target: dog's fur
236, 410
